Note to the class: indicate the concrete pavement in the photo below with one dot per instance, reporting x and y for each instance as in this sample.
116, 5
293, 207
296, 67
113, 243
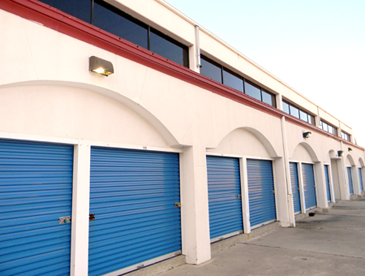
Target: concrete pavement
330, 243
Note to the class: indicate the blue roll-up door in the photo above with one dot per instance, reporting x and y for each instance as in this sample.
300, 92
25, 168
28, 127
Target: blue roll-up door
133, 195
261, 191
327, 178
224, 191
309, 186
349, 176
360, 179
35, 191
295, 186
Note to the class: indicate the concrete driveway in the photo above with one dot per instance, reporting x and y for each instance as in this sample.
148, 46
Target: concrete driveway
330, 243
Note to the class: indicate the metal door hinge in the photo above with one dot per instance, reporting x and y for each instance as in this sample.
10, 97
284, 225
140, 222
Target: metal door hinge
63, 220
91, 216
177, 204
273, 192
239, 196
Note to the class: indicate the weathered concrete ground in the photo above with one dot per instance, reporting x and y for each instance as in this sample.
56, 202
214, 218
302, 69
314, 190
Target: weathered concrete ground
330, 243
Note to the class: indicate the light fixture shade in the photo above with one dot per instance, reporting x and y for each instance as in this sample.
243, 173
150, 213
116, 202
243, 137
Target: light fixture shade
100, 66
349, 149
340, 153
307, 134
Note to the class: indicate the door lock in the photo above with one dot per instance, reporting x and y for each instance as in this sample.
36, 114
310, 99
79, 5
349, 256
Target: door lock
63, 220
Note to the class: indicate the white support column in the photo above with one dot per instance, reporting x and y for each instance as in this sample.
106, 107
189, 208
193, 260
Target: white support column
320, 185
330, 179
363, 177
282, 167
80, 211
283, 193
355, 180
301, 188
194, 205
245, 198
343, 179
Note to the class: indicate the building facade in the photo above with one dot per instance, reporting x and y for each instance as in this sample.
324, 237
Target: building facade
188, 141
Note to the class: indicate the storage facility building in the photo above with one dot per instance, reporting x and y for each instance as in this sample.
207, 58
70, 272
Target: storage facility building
129, 134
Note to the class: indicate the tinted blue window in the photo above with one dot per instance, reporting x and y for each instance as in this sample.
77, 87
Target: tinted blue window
268, 98
164, 46
80, 9
286, 107
303, 116
211, 70
252, 91
232, 80
120, 24
294, 111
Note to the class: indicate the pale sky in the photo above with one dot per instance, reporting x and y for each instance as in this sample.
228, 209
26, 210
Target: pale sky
315, 46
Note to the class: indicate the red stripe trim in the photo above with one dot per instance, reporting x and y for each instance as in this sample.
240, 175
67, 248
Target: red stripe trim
74, 27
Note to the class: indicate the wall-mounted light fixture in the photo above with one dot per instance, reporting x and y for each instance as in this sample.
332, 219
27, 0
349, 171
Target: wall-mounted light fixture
349, 149
340, 153
100, 66
307, 134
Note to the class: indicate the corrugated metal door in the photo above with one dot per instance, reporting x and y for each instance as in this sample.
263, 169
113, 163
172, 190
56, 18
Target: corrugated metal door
309, 186
35, 190
360, 179
224, 191
326, 175
295, 186
133, 195
261, 191
351, 186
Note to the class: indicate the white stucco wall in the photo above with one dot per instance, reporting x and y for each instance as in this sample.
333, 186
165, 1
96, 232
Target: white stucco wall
68, 112
47, 93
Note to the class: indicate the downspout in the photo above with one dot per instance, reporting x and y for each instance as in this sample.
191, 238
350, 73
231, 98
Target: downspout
197, 46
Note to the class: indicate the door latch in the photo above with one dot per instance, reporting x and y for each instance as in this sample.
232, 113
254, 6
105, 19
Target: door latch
63, 220
177, 204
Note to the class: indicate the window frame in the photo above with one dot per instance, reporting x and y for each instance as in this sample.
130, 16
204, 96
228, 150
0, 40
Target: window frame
328, 127
222, 69
255, 86
235, 75
346, 136
184, 48
119, 12
215, 64
310, 118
